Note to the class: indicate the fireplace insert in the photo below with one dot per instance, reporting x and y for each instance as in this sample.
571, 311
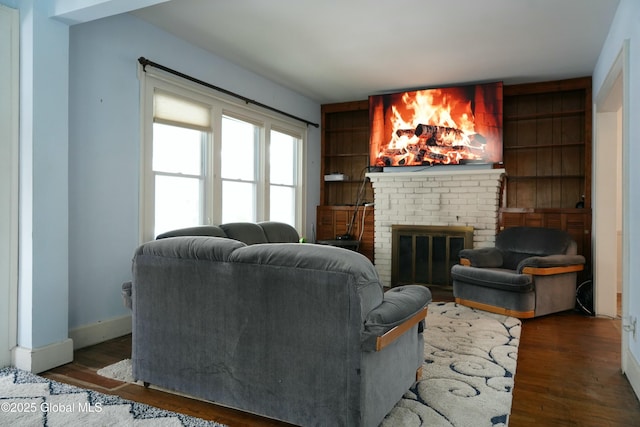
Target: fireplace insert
425, 254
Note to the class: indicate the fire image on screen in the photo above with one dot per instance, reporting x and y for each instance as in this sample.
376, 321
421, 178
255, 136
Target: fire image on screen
448, 126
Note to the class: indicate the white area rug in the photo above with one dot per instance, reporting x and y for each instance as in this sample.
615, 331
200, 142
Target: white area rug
30, 400
468, 372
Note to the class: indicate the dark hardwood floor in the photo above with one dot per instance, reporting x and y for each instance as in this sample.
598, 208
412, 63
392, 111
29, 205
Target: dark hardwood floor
568, 374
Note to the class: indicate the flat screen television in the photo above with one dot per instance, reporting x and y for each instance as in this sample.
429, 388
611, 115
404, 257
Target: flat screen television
442, 126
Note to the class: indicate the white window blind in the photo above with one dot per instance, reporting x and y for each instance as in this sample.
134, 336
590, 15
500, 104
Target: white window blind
173, 110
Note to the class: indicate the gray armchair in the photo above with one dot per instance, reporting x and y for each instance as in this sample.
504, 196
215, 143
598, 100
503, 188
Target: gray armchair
530, 272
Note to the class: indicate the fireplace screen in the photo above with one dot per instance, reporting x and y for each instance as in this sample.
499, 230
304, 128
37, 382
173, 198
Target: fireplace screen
425, 254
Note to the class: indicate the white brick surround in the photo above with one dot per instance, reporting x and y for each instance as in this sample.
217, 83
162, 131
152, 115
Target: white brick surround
445, 197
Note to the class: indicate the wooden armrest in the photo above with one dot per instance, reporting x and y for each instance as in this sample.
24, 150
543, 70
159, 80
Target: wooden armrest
392, 334
548, 271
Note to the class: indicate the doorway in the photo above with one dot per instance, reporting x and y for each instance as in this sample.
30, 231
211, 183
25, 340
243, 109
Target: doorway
610, 242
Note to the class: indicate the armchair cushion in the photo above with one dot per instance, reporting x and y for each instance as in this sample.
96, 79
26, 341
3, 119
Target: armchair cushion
520, 243
483, 257
535, 241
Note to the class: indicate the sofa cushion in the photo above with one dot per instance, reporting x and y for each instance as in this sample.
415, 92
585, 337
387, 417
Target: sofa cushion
325, 260
191, 247
279, 232
247, 232
308, 256
200, 230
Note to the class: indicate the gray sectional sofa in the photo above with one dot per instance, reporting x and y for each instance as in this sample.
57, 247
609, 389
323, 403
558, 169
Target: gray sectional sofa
297, 332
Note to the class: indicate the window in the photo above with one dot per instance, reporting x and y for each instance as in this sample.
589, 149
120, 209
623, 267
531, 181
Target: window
179, 177
282, 177
238, 169
209, 160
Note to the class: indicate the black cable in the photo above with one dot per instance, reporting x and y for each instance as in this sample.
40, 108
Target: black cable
358, 198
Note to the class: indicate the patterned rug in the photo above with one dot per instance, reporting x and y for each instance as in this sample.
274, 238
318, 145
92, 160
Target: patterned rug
467, 377
30, 400
468, 373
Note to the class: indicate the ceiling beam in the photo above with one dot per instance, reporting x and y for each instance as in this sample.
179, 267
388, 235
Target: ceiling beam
80, 11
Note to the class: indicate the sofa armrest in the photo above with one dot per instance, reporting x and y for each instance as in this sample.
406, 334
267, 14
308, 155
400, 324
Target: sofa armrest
126, 295
551, 264
392, 334
402, 308
481, 257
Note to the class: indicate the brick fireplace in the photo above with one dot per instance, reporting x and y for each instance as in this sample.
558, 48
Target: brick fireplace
446, 196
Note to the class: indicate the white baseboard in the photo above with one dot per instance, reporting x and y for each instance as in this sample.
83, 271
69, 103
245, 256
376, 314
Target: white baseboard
95, 333
632, 371
40, 359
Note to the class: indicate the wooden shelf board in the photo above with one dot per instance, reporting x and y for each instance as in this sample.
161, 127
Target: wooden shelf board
528, 147
546, 115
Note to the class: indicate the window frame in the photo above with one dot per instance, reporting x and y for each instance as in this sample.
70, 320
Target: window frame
220, 104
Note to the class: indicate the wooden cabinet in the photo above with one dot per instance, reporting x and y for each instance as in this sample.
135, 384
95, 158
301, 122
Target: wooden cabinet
334, 221
547, 158
345, 151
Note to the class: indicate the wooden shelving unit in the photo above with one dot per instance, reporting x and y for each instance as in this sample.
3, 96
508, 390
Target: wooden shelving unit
345, 150
547, 157
547, 144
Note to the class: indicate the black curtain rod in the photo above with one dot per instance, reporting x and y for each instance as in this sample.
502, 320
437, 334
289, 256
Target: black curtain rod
144, 62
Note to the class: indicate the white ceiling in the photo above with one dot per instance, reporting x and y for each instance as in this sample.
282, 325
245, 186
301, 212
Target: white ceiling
346, 50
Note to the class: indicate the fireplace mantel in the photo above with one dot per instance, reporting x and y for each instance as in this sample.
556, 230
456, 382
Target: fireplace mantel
435, 171
438, 196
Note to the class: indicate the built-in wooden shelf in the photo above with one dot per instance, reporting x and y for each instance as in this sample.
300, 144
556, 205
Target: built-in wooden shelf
345, 150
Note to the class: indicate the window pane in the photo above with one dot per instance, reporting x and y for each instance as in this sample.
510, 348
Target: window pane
282, 159
177, 150
282, 204
238, 202
238, 149
177, 203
